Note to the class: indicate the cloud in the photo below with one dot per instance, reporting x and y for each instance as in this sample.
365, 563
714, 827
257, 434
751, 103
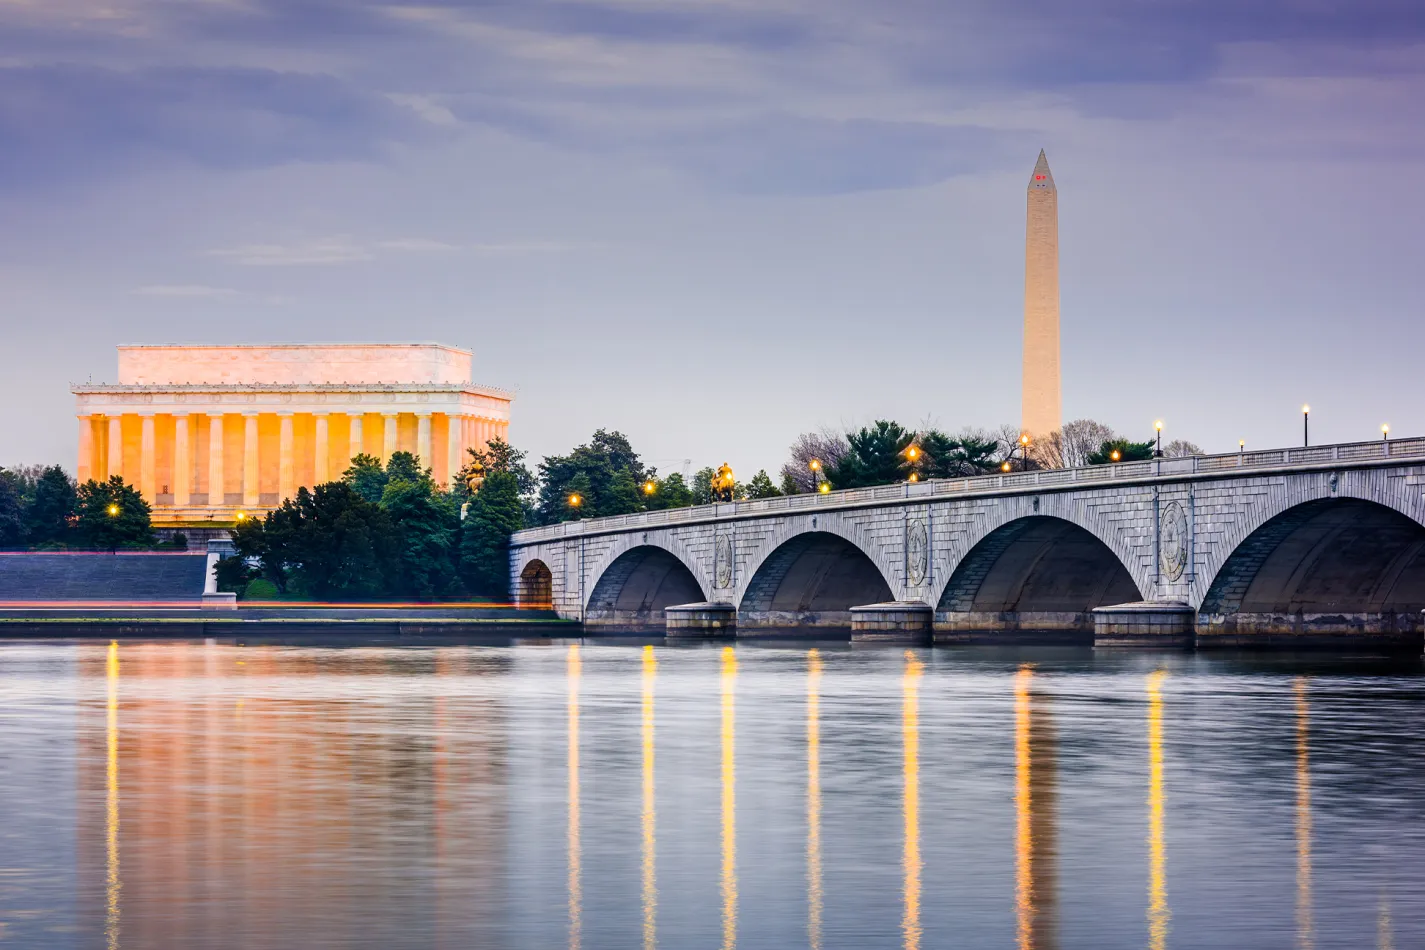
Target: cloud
184, 290
345, 250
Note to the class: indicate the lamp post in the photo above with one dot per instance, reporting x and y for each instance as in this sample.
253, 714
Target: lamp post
1305, 426
1024, 451
1158, 430
818, 480
1385, 432
649, 488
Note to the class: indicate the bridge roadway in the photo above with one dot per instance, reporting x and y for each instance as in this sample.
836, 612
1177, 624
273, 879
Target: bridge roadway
1289, 547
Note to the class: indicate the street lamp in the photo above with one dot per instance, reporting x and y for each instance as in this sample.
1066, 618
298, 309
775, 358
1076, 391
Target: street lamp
824, 487
1115, 455
1241, 446
1158, 429
1305, 426
818, 480
649, 487
1005, 466
914, 477
113, 511
575, 501
1385, 432
1024, 451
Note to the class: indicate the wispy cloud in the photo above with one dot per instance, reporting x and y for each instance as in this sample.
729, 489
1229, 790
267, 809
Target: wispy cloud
184, 290
345, 250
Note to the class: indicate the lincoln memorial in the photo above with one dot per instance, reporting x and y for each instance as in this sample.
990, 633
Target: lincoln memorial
207, 433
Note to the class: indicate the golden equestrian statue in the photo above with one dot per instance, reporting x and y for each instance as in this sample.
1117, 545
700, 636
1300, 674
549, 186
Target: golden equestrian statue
724, 483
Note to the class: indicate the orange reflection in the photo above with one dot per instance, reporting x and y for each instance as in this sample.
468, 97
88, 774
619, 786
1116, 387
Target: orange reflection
1305, 924
814, 893
111, 801
910, 743
576, 895
1036, 831
729, 800
1158, 913
650, 821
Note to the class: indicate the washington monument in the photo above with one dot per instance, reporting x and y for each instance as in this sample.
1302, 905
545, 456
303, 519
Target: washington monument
1041, 410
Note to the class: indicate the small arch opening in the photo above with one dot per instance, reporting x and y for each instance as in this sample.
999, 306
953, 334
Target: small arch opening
536, 586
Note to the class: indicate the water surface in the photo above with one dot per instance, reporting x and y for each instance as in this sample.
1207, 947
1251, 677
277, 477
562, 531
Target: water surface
625, 795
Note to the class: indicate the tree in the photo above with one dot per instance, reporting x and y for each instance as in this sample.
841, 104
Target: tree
1126, 452
671, 492
761, 486
367, 476
499, 456
333, 542
702, 487
233, 574
826, 446
494, 514
601, 472
1071, 446
877, 456
426, 524
12, 522
50, 512
1181, 448
972, 452
112, 515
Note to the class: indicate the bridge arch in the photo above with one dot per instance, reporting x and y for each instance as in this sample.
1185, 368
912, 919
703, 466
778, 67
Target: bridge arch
810, 574
1036, 573
635, 579
1321, 565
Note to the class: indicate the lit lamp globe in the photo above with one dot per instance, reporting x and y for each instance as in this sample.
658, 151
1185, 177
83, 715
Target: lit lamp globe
575, 501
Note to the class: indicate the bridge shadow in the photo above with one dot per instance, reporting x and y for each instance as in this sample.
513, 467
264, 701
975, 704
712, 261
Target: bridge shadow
1321, 570
808, 586
1034, 579
632, 594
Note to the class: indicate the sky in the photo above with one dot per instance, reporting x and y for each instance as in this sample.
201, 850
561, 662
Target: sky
715, 224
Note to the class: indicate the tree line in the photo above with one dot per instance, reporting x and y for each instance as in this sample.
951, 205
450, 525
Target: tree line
43, 509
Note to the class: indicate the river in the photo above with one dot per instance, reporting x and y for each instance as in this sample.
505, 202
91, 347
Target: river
629, 794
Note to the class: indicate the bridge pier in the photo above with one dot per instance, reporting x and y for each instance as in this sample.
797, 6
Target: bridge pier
1148, 623
905, 621
1017, 626
704, 620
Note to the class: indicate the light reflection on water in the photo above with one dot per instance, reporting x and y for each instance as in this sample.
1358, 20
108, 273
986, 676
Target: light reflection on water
614, 795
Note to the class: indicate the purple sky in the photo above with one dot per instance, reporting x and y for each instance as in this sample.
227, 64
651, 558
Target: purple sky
714, 224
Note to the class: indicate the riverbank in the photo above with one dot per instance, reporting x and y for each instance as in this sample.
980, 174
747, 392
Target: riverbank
184, 621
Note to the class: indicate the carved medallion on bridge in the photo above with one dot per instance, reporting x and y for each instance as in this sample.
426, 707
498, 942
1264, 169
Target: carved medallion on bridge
917, 553
722, 562
1173, 540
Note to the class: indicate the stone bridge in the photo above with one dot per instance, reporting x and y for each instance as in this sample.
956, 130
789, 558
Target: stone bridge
1291, 546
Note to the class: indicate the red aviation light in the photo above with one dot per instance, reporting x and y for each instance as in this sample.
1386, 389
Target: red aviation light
1038, 177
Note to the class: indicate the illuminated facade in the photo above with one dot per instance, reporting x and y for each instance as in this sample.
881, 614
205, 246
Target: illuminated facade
208, 432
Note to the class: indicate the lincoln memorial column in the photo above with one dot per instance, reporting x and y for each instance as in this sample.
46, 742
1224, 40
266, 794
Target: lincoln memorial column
85, 469
356, 445
251, 493
182, 460
286, 481
148, 458
215, 459
388, 436
454, 457
321, 463
116, 447
423, 438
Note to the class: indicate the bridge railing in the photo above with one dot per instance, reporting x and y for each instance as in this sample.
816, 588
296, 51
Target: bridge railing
1089, 475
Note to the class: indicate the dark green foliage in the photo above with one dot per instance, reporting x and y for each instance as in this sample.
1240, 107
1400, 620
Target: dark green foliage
494, 514
499, 456
702, 487
761, 486
126, 527
49, 514
672, 492
233, 574
12, 523
426, 524
179, 541
367, 477
330, 541
877, 457
1128, 451
606, 473
947, 456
